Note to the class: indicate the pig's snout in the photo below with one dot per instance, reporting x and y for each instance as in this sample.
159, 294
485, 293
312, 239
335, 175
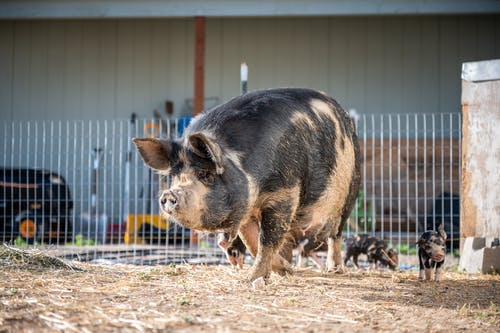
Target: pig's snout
439, 256
169, 201
223, 243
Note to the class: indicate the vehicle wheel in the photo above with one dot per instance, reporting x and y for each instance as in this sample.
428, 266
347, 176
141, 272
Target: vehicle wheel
27, 227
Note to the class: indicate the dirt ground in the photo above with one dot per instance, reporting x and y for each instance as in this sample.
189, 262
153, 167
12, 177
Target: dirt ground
52, 296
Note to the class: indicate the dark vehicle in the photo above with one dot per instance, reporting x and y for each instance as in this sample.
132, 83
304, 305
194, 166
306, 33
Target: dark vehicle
35, 204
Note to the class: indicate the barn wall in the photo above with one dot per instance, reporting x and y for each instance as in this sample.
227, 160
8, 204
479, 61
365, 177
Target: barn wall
105, 69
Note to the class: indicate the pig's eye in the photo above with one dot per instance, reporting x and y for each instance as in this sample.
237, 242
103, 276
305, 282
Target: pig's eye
205, 176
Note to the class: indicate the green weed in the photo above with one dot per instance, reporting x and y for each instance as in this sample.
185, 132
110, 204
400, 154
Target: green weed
20, 242
183, 302
81, 241
406, 249
143, 276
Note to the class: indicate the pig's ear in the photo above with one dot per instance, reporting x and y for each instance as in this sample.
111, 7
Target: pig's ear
441, 231
156, 153
206, 147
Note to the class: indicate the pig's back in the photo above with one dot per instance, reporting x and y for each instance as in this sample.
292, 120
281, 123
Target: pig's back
284, 137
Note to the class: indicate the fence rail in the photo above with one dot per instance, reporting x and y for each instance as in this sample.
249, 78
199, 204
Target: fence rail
79, 187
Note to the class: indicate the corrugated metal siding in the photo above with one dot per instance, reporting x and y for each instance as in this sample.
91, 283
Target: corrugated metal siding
103, 69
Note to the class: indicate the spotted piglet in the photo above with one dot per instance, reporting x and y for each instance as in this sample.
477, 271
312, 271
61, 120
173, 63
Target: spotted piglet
233, 249
375, 249
431, 252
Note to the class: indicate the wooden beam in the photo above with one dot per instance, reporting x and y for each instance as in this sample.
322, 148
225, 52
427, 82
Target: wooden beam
199, 65
45, 9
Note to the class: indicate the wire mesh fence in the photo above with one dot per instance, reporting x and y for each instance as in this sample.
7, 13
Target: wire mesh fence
410, 177
78, 188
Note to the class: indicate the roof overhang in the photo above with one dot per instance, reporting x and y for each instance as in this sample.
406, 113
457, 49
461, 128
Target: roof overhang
68, 9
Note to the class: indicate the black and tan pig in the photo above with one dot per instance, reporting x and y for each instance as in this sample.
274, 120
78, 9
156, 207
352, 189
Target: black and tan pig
431, 253
260, 165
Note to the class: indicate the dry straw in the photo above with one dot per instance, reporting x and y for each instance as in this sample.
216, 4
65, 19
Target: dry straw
41, 293
31, 258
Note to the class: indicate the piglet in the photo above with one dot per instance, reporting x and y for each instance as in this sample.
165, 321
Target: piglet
234, 250
432, 252
375, 249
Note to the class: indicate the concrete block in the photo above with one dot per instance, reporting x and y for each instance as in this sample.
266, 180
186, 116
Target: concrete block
476, 258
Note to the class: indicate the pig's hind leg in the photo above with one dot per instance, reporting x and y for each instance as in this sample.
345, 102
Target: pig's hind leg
334, 256
333, 229
316, 260
355, 260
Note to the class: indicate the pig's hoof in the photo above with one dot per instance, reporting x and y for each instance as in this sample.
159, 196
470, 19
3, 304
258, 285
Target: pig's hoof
336, 269
255, 283
259, 283
254, 275
285, 271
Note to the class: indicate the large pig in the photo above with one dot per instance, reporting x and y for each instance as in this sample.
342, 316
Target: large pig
260, 165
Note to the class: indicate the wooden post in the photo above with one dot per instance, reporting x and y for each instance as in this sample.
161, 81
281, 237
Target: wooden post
243, 77
479, 209
199, 80
479, 213
199, 65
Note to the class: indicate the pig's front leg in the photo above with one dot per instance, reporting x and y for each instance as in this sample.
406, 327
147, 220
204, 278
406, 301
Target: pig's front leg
274, 224
420, 265
249, 234
438, 271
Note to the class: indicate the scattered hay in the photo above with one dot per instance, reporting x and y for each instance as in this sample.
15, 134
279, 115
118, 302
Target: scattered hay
11, 257
198, 298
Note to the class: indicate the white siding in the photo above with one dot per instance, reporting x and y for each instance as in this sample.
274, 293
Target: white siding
105, 69
6, 69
